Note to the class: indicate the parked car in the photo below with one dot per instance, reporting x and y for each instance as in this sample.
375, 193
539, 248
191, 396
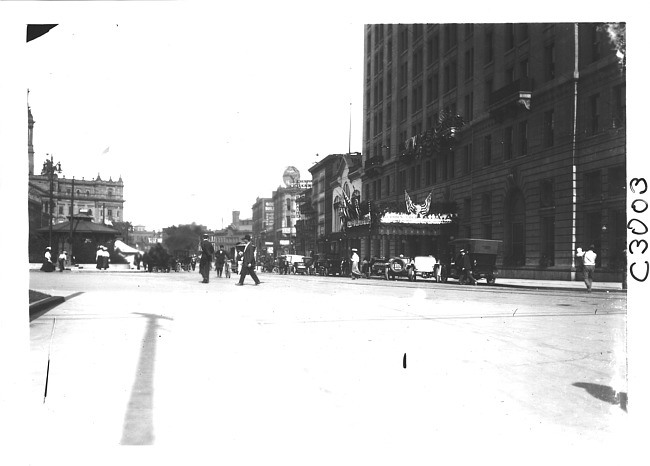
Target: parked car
328, 264
297, 264
378, 267
392, 268
426, 267
483, 256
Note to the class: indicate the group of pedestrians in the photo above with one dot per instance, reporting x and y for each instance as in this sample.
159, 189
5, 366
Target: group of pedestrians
221, 260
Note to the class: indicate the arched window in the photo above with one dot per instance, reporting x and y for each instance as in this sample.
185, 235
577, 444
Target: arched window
87, 193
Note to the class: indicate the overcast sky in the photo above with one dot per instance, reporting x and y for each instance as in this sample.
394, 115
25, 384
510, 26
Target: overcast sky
200, 115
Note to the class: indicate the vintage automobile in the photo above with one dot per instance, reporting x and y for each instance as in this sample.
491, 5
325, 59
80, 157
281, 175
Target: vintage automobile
483, 255
296, 264
426, 267
392, 268
329, 264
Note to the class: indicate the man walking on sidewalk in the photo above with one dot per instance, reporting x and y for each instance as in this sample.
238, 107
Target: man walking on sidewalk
248, 263
589, 265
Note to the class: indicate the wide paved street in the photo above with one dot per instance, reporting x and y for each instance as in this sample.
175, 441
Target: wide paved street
326, 368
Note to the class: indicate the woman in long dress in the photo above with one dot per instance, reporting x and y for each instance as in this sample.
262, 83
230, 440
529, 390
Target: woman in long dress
48, 265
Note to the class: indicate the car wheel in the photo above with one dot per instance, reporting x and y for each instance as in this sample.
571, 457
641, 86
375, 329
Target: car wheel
411, 274
386, 274
491, 280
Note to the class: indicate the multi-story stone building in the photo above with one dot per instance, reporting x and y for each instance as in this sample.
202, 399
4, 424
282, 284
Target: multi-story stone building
100, 199
285, 215
517, 129
263, 224
336, 180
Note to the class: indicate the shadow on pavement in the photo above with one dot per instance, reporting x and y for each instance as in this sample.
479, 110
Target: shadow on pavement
138, 420
605, 393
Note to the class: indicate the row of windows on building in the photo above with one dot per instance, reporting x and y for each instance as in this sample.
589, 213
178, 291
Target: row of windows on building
412, 179
509, 35
419, 98
87, 193
603, 114
62, 208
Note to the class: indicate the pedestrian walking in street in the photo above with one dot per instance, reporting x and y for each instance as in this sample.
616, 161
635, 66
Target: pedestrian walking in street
99, 257
466, 267
48, 265
589, 265
105, 257
62, 258
205, 264
355, 264
248, 263
220, 258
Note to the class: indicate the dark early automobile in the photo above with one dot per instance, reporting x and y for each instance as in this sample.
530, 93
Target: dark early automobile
483, 256
329, 264
392, 268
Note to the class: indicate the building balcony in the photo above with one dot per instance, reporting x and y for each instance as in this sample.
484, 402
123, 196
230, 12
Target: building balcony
373, 165
511, 98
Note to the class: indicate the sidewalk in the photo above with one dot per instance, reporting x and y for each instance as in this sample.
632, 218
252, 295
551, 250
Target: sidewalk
501, 282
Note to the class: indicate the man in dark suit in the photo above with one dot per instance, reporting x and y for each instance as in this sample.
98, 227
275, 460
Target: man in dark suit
248, 262
206, 258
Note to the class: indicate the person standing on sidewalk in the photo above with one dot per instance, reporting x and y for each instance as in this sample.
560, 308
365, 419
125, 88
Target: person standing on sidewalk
206, 258
588, 265
62, 258
248, 263
355, 264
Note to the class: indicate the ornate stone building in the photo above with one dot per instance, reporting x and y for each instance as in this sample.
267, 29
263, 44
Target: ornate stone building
52, 196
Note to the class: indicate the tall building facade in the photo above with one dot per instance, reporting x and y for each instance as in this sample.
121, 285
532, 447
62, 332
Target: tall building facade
515, 130
336, 181
263, 219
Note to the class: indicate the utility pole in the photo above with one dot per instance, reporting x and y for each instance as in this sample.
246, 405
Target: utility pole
71, 217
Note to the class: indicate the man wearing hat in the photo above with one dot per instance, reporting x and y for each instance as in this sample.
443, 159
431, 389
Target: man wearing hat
248, 262
466, 267
355, 264
205, 264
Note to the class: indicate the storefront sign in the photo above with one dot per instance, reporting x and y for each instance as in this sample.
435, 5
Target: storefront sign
430, 219
358, 223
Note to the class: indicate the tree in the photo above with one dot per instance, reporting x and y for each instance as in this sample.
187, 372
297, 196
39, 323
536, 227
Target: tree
183, 237
125, 229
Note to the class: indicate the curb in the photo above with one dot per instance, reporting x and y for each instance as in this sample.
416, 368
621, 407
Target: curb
38, 308
559, 288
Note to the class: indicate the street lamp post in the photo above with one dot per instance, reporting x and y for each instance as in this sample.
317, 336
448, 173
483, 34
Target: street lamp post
50, 168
